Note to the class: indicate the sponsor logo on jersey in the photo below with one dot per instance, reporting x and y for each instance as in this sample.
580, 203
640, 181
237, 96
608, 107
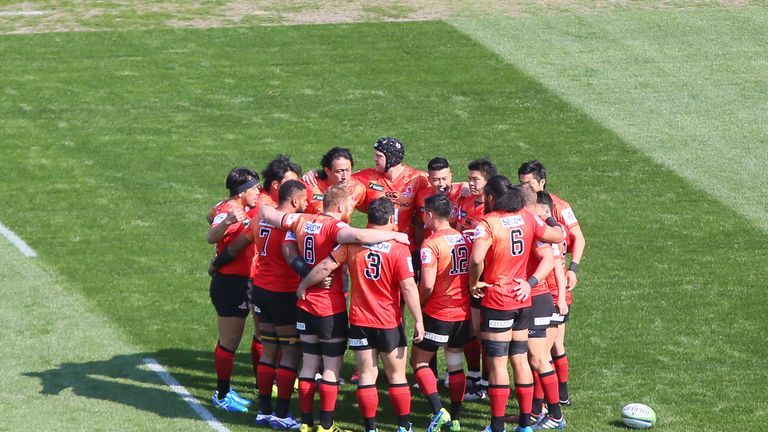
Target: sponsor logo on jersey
290, 235
318, 197
479, 232
512, 221
500, 324
375, 186
391, 195
291, 219
381, 247
408, 192
300, 326
455, 239
410, 264
266, 224
358, 342
219, 218
569, 217
313, 227
341, 225
436, 337
461, 214
426, 255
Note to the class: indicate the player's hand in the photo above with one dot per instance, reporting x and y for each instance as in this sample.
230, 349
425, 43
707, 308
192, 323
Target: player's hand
478, 291
522, 290
571, 280
418, 331
402, 238
310, 178
465, 190
469, 235
234, 215
326, 283
562, 307
301, 292
211, 269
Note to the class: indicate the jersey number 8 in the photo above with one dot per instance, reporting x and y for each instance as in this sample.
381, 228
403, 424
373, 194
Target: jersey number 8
309, 250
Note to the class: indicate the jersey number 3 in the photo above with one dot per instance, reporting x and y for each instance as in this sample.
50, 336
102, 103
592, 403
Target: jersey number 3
373, 265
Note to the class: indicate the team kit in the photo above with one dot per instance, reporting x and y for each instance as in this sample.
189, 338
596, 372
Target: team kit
485, 268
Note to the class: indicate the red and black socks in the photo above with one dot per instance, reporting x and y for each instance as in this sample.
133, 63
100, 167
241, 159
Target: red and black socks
428, 386
368, 402
223, 361
329, 392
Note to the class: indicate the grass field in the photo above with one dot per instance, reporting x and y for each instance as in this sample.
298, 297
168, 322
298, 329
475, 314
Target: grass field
652, 123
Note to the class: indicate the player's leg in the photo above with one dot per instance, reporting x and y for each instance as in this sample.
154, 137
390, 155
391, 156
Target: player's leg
311, 359
229, 297
333, 334
454, 356
366, 359
286, 373
560, 361
496, 336
393, 351
518, 354
539, 360
477, 381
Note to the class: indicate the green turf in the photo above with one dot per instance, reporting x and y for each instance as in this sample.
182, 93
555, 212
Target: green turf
65, 367
686, 87
116, 144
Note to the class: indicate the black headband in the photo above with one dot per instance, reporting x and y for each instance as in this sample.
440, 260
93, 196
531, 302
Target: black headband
245, 186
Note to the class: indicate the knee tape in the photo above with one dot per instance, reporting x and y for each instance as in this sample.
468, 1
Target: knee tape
454, 358
496, 348
333, 349
310, 348
518, 347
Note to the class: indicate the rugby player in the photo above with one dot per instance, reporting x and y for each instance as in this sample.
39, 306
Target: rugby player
440, 177
337, 166
534, 174
445, 302
471, 210
229, 284
380, 274
504, 239
321, 317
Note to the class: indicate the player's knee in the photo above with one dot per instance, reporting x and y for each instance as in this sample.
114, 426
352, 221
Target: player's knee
312, 348
496, 348
333, 349
454, 360
518, 348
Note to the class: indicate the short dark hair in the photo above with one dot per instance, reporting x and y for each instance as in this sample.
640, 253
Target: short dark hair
512, 201
379, 211
544, 198
289, 188
330, 156
533, 167
277, 168
496, 186
437, 164
238, 177
484, 166
438, 204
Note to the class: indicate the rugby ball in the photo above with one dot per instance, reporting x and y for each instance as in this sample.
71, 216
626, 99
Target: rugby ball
638, 416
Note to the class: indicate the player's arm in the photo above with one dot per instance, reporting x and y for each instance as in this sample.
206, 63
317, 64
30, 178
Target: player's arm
231, 251
368, 236
546, 264
411, 299
427, 283
553, 233
272, 215
219, 228
562, 305
317, 275
477, 264
577, 251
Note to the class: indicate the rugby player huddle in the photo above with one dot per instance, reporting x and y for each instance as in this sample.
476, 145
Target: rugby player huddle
493, 286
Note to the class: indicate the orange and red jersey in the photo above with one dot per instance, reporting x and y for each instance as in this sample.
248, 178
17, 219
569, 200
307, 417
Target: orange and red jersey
533, 262
447, 251
316, 237
241, 265
512, 237
453, 194
273, 273
375, 271
558, 252
401, 191
468, 213
265, 199
316, 193
564, 215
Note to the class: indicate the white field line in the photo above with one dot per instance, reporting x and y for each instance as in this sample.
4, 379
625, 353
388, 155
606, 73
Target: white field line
21, 13
17, 241
185, 395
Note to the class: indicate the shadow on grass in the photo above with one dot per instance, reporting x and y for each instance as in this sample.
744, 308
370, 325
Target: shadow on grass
124, 379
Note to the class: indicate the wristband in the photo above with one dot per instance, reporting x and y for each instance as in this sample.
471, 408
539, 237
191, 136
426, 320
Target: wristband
574, 266
532, 281
223, 258
301, 267
551, 221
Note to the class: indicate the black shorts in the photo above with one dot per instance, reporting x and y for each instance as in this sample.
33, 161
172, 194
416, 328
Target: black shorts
229, 295
541, 311
499, 321
327, 327
384, 340
558, 319
438, 333
276, 308
475, 302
